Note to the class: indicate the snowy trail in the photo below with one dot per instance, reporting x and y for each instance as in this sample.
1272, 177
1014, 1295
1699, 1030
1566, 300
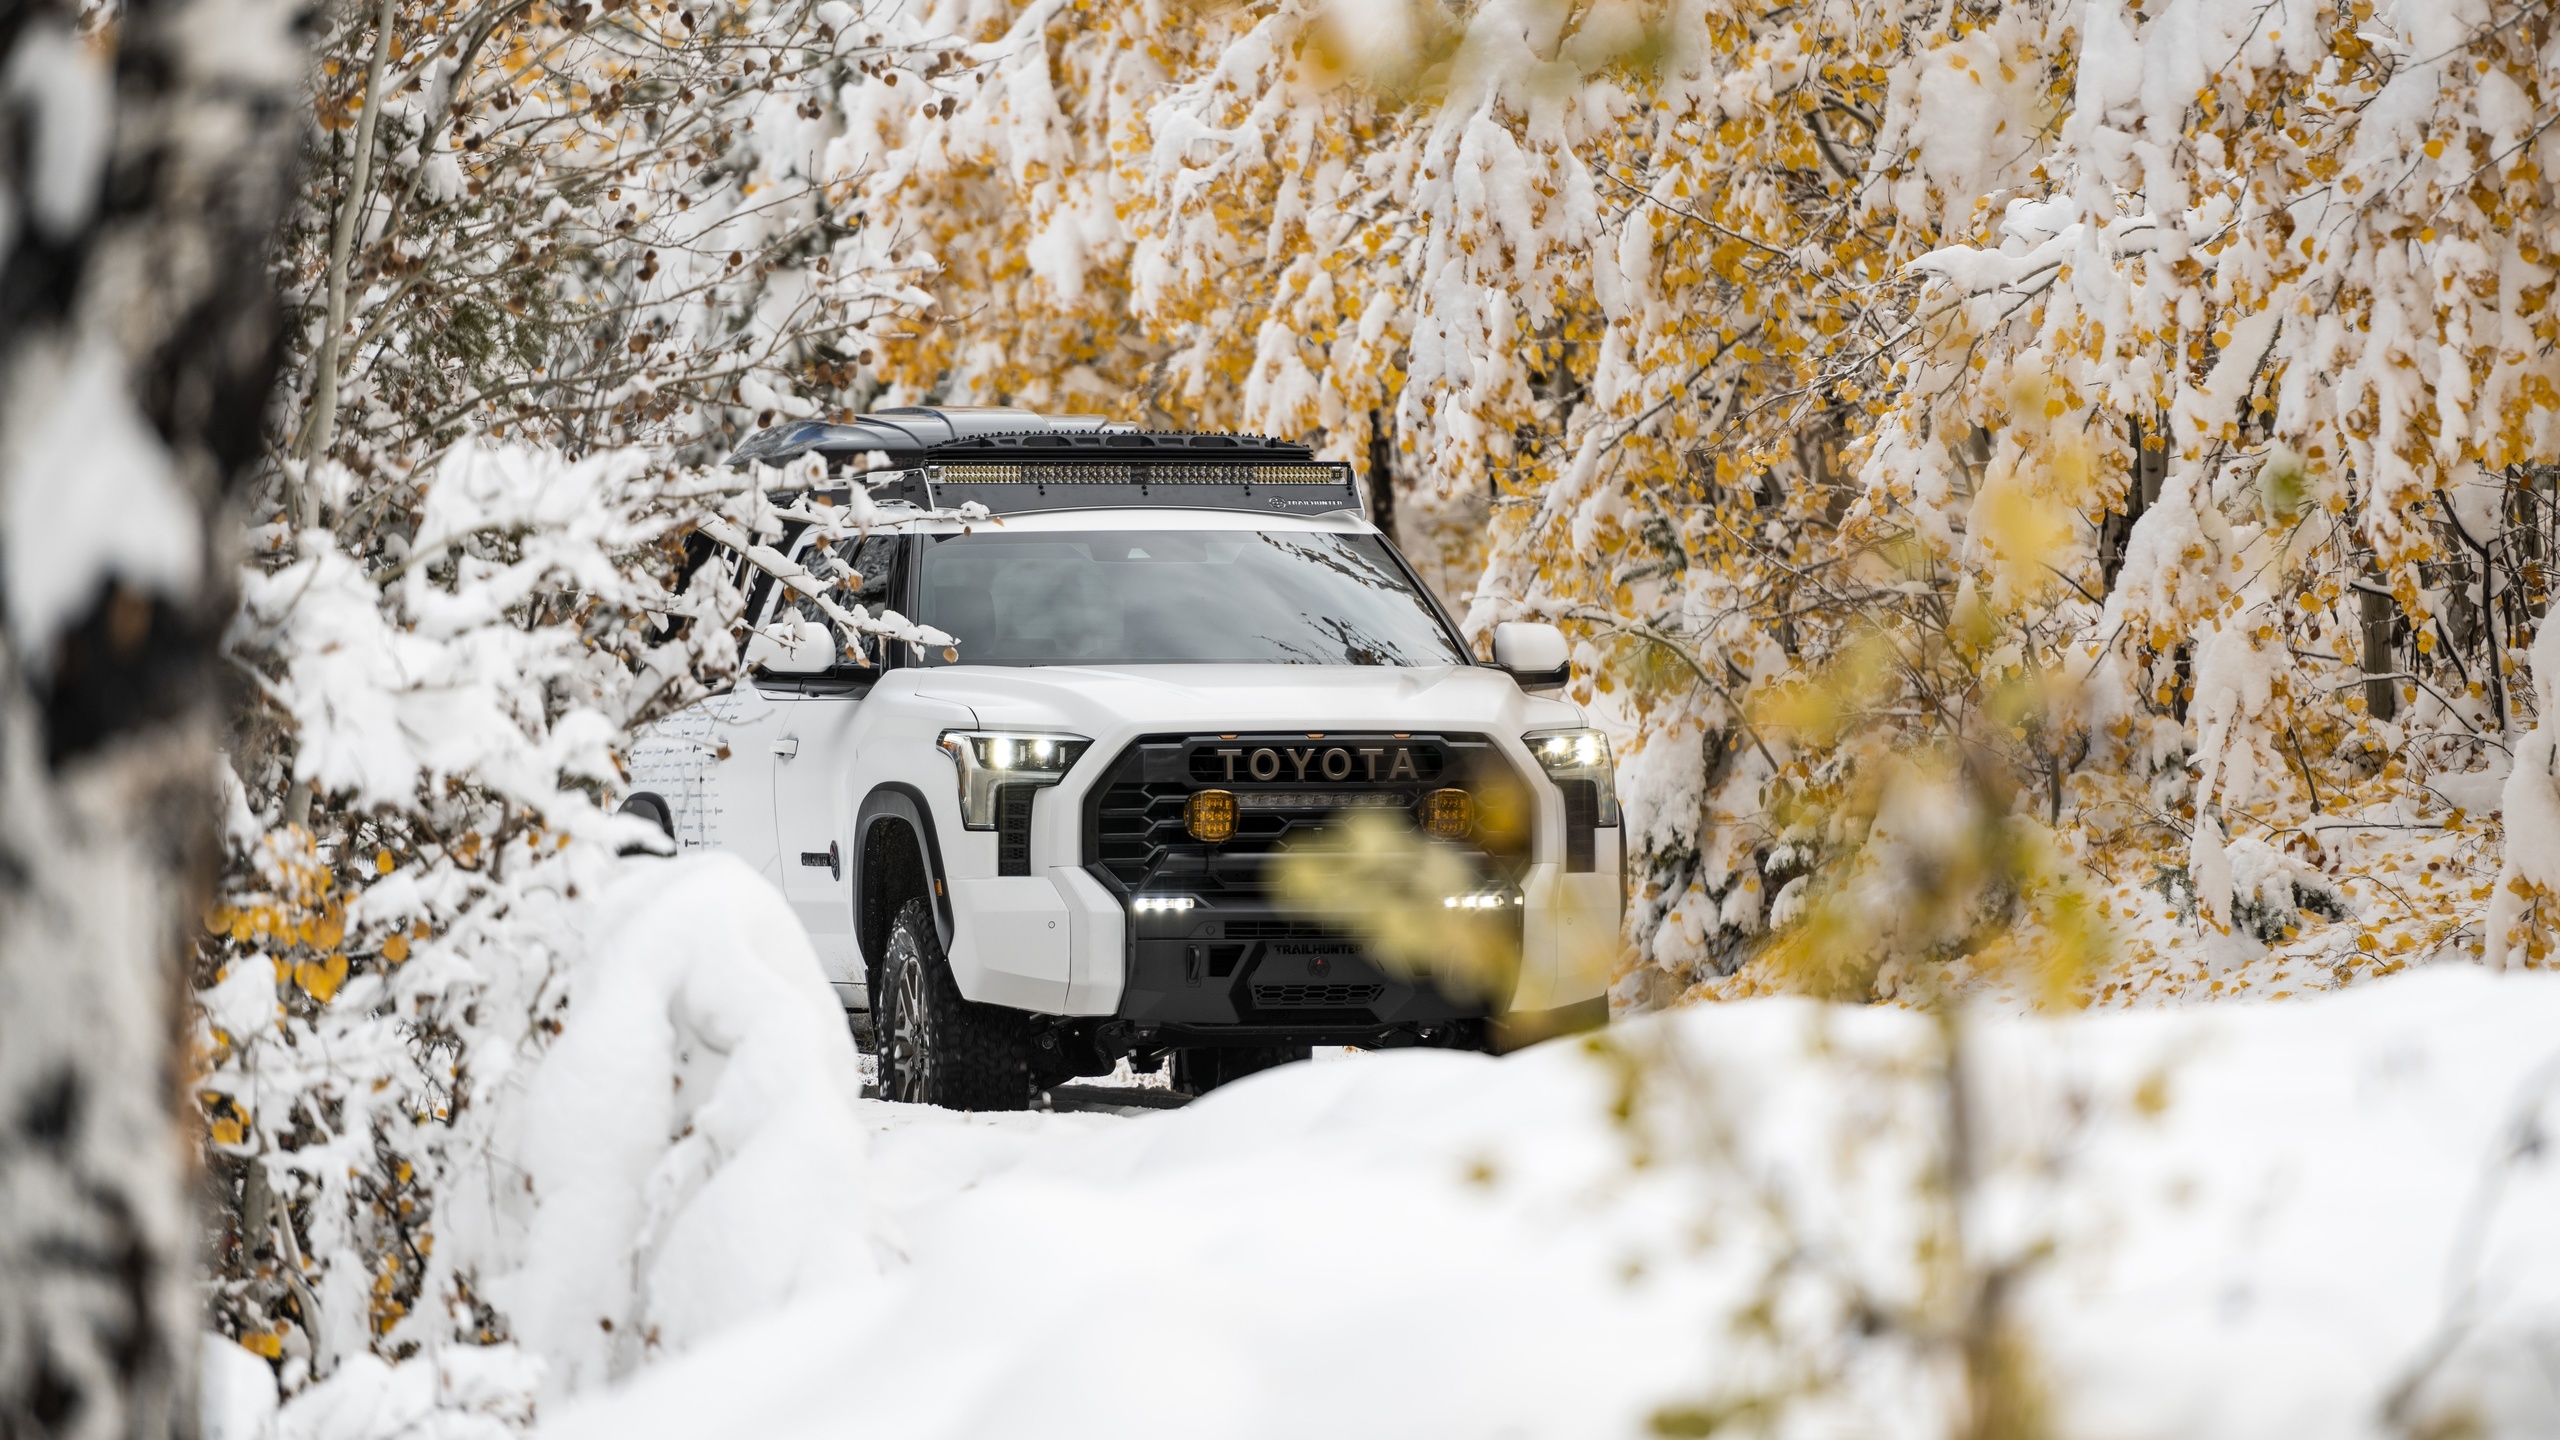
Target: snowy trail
2254, 1208
1068, 1273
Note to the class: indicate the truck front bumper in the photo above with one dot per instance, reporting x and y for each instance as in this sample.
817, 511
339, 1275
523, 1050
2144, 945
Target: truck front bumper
1257, 966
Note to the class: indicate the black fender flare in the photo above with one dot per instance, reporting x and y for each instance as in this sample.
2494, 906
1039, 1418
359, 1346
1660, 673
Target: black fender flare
896, 800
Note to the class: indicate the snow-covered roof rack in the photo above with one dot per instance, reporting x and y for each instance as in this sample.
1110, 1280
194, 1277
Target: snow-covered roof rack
1017, 461
896, 438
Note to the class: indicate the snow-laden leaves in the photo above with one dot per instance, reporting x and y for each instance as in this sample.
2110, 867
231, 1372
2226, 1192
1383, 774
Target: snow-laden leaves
1735, 335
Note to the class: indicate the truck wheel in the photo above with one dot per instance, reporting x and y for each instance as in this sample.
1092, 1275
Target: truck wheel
1201, 1069
935, 1047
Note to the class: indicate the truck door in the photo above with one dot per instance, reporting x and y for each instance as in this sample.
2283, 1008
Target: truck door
812, 774
728, 804
737, 814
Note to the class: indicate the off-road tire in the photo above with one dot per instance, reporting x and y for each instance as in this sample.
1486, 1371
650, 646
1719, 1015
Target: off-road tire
937, 1048
1203, 1068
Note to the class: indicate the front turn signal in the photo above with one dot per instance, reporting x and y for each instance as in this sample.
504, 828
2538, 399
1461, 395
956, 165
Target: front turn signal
1449, 814
1210, 815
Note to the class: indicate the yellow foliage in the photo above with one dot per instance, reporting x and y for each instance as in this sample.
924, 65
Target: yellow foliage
321, 977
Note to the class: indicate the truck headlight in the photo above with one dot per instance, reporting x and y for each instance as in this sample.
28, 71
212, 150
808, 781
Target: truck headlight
990, 760
1578, 758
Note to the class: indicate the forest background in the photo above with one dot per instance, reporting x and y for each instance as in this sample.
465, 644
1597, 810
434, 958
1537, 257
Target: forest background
2091, 463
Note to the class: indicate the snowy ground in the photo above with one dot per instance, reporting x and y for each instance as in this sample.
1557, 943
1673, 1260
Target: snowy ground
2249, 1218
2260, 1212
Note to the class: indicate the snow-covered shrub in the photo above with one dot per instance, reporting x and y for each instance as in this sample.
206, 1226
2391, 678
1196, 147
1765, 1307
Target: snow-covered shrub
688, 1150
2269, 895
683, 1159
384, 967
2524, 914
548, 261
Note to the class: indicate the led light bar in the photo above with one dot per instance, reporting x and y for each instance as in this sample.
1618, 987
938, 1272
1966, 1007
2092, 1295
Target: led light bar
1106, 472
1321, 800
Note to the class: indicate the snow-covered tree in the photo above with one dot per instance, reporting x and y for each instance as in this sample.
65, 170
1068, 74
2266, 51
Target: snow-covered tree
590, 225
2159, 396
546, 261
141, 175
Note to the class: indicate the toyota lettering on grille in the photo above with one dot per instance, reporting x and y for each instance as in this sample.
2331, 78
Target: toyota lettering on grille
1372, 764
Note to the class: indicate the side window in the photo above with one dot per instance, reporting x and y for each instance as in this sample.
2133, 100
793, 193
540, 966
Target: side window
760, 585
871, 558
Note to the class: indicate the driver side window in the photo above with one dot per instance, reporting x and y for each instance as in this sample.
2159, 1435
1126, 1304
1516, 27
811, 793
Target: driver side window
871, 558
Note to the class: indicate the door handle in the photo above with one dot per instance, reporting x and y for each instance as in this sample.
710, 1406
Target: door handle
830, 860
786, 746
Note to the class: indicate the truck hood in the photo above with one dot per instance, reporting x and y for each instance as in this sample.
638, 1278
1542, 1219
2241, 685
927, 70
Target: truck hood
1112, 702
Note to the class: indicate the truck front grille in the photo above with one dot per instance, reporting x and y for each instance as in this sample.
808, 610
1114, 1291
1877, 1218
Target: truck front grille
1238, 955
1290, 790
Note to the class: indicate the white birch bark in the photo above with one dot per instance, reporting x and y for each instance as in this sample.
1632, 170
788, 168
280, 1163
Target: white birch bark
138, 194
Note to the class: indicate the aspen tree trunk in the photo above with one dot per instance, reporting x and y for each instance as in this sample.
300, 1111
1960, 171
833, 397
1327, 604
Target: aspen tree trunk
1382, 475
322, 428
138, 193
2375, 614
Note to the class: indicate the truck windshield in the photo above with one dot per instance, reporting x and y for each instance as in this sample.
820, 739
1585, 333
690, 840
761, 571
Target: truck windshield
1143, 597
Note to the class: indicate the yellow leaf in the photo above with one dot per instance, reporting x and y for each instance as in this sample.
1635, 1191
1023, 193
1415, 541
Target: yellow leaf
263, 1342
330, 929
382, 862
396, 949
321, 978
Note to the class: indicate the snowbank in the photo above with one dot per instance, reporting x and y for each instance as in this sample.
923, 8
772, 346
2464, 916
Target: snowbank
685, 1157
689, 1143
2261, 1217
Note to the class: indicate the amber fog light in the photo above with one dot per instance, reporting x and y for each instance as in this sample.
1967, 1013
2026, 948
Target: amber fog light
1449, 814
1210, 815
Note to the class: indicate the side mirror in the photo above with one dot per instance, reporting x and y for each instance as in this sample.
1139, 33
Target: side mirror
792, 647
1537, 655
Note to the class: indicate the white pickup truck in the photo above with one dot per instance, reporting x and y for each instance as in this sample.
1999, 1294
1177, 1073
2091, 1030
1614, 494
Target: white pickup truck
1175, 659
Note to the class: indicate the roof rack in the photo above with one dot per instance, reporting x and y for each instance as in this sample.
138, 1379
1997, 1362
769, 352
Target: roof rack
1016, 461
